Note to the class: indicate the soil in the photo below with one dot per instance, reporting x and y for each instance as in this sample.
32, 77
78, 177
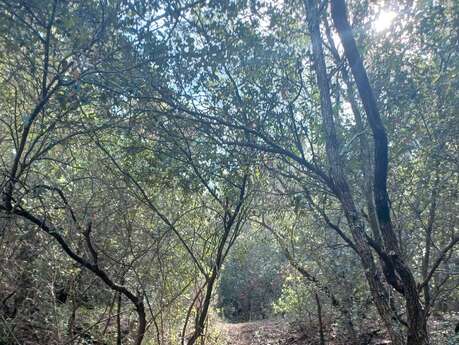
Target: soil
264, 332
280, 332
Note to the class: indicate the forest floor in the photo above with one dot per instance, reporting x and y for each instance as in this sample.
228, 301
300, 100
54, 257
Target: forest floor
280, 332
264, 332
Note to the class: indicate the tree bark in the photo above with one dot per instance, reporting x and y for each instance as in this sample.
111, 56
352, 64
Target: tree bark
118, 320
417, 328
428, 243
142, 326
340, 184
319, 316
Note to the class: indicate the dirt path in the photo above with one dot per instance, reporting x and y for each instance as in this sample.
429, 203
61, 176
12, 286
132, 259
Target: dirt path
258, 333
270, 332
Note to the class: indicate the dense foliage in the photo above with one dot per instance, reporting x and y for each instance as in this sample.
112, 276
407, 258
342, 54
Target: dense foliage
296, 158
251, 280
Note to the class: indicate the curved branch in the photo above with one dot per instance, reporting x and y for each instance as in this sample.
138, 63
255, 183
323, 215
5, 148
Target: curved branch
93, 267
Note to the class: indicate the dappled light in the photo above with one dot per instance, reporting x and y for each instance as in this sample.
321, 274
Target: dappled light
229, 172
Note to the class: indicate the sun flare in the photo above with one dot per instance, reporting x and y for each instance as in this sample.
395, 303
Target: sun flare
384, 20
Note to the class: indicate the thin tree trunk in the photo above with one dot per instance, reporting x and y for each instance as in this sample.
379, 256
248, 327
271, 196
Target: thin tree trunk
118, 320
229, 221
201, 318
319, 316
428, 244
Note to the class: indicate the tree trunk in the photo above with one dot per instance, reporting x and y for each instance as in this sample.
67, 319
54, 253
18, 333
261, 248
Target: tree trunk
141, 327
428, 243
118, 320
319, 316
341, 186
417, 331
201, 319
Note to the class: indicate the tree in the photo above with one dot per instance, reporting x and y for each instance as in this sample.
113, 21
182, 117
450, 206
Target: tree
139, 139
264, 133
